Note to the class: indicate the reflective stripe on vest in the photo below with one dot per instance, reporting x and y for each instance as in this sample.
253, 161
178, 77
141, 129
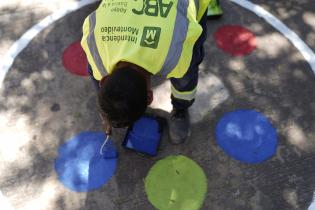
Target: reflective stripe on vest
179, 36
197, 6
93, 47
193, 33
186, 95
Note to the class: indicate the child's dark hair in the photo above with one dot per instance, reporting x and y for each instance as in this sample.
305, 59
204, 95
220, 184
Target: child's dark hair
123, 97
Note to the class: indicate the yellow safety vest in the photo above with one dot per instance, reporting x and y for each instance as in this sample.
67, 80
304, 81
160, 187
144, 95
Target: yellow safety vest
157, 35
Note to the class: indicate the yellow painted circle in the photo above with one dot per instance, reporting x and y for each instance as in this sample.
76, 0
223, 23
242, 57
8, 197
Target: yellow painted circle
176, 183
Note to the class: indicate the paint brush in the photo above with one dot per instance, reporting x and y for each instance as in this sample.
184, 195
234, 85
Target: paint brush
108, 150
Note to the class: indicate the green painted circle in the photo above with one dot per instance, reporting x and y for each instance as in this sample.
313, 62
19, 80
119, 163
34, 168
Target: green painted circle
176, 183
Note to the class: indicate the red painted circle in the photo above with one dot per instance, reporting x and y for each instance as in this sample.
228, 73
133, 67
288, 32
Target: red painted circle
74, 59
235, 40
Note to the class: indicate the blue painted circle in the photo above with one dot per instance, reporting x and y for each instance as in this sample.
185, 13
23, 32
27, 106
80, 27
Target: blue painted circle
246, 135
80, 167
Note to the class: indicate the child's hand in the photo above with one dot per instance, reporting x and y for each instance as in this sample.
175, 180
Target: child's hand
106, 125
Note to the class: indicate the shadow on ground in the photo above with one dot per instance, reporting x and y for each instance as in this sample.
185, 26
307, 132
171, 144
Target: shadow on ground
42, 106
297, 15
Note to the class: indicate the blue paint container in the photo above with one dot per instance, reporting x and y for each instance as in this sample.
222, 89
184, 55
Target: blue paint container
246, 135
144, 136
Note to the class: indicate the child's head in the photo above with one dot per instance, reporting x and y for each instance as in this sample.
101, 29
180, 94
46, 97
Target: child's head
123, 96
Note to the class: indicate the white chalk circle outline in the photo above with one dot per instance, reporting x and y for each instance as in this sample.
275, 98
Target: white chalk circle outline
26, 38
